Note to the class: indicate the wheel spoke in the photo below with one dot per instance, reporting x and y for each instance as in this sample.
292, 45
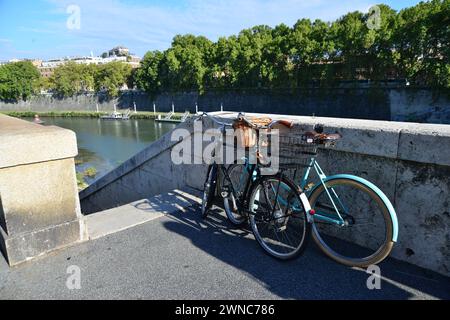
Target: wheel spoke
274, 223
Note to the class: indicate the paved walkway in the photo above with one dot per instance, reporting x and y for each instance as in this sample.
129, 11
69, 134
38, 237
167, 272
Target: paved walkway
179, 256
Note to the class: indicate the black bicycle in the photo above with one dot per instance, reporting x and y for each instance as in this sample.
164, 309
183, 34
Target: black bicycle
280, 215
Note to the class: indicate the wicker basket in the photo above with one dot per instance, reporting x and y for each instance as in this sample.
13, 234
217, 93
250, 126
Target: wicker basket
247, 135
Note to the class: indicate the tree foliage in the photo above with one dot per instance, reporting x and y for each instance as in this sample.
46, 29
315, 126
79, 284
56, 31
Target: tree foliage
18, 81
72, 78
411, 45
111, 77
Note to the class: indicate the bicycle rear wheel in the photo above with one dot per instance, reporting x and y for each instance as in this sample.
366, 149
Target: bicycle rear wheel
209, 190
366, 236
278, 217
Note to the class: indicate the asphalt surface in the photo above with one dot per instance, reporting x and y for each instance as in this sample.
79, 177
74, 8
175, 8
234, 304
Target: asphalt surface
180, 256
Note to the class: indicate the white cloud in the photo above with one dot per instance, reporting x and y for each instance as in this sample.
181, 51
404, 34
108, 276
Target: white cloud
145, 27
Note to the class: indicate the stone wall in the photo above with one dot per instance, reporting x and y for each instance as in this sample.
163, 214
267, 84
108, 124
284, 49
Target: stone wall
39, 203
409, 162
398, 104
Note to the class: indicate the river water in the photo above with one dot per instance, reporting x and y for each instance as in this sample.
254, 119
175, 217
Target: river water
104, 144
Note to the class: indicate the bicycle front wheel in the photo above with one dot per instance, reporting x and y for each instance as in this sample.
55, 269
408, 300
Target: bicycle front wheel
364, 236
235, 184
278, 217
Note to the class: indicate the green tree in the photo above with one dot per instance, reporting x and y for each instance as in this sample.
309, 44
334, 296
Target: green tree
148, 76
185, 63
412, 44
72, 78
422, 43
222, 69
18, 81
111, 77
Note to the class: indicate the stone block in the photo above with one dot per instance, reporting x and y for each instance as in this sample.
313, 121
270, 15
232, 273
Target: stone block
24, 247
39, 204
423, 208
38, 195
426, 144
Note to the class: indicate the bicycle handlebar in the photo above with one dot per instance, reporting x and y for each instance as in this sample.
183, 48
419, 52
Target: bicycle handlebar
317, 135
204, 114
287, 123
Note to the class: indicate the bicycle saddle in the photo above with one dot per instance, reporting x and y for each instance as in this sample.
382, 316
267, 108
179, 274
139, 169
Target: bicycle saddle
322, 138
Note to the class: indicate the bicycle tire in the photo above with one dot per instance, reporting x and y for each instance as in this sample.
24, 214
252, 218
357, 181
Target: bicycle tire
380, 253
276, 223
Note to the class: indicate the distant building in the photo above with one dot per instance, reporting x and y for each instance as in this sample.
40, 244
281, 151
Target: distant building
47, 67
36, 62
134, 61
119, 53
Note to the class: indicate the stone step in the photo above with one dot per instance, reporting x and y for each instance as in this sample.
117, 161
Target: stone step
110, 221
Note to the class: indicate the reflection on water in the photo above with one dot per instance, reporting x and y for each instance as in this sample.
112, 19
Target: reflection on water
104, 144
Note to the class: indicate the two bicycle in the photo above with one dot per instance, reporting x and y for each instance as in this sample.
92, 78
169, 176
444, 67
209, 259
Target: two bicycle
350, 219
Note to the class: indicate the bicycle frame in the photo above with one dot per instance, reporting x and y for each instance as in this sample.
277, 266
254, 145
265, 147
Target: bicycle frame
338, 220
330, 191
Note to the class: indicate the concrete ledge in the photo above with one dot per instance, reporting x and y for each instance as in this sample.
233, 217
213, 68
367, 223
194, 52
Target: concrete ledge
38, 195
23, 142
24, 247
425, 143
39, 204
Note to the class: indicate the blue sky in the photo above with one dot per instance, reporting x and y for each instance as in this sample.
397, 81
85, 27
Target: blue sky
38, 28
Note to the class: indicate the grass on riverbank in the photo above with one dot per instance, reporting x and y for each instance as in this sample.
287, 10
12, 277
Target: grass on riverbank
83, 114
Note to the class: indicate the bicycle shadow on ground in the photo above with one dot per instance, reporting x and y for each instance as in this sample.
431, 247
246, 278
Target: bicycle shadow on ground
312, 275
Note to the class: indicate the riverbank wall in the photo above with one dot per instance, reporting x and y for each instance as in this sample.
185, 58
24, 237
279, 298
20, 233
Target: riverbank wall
363, 102
410, 162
